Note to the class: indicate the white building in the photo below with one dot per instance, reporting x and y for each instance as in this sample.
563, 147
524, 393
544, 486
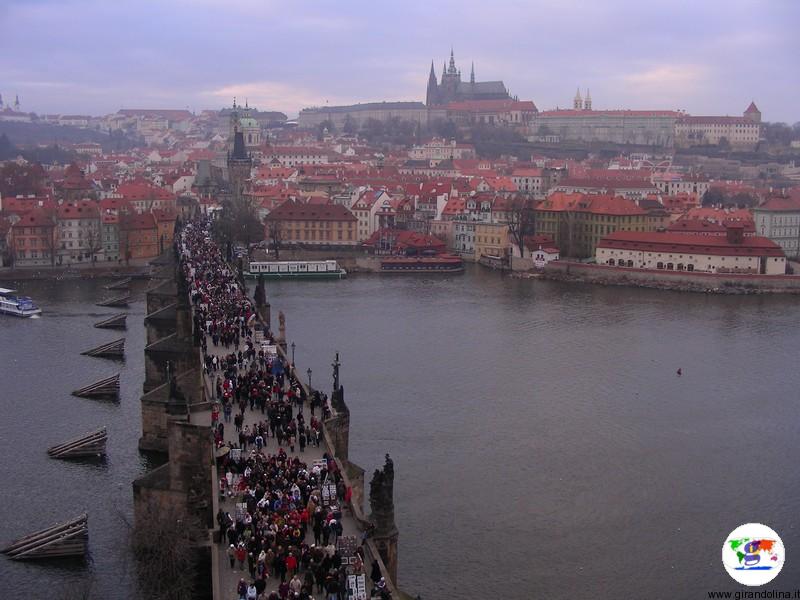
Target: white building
733, 253
741, 132
779, 220
78, 234
529, 181
439, 149
294, 156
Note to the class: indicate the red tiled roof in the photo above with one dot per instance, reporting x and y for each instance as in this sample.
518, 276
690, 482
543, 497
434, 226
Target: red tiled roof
169, 114
532, 242
778, 203
35, 218
403, 239
491, 105
716, 120
84, 209
139, 190
569, 112
164, 214
529, 172
291, 210
686, 243
719, 215
138, 221
593, 203
752, 108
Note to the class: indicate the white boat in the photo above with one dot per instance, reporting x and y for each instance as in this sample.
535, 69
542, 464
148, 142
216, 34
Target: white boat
302, 269
20, 306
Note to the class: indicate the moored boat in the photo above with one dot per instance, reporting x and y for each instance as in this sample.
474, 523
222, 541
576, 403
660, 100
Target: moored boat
19, 306
299, 269
442, 263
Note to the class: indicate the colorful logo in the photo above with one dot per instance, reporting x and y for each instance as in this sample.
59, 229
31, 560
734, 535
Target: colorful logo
753, 554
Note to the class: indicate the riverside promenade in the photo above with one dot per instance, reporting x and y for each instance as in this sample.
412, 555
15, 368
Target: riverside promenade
269, 489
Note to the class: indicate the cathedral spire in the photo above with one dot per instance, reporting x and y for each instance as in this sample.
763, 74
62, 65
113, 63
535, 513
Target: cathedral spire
472, 73
587, 101
577, 103
444, 70
452, 68
16, 103
433, 89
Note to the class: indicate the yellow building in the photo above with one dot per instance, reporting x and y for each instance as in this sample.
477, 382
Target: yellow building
577, 222
315, 224
491, 239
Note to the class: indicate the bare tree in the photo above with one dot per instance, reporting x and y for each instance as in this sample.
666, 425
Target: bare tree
164, 541
94, 241
521, 222
275, 232
51, 242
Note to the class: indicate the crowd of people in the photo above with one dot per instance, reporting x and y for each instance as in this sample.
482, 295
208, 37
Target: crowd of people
286, 518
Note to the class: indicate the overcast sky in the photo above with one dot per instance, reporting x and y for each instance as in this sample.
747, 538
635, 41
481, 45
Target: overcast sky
96, 56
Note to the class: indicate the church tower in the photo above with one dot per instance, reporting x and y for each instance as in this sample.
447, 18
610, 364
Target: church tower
577, 103
472, 74
587, 102
240, 163
431, 97
16, 103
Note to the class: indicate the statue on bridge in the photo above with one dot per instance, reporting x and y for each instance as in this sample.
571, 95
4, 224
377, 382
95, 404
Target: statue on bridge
381, 496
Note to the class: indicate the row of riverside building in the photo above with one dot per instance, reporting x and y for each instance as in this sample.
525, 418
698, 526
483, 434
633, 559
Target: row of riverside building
337, 191
60, 227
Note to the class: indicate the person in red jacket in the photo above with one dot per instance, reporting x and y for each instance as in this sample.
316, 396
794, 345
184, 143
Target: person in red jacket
291, 564
241, 555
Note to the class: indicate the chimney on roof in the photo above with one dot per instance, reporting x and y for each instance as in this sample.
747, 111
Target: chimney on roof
734, 233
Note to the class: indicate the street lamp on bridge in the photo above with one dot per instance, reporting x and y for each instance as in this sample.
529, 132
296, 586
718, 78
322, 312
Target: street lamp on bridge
309, 377
292, 353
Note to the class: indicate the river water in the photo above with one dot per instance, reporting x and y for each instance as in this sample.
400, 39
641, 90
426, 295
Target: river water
40, 364
544, 446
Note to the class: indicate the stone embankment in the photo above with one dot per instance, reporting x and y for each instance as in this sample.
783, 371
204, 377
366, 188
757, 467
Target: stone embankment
96, 272
681, 281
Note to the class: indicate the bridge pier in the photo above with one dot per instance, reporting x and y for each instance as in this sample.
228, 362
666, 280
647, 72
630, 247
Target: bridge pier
173, 390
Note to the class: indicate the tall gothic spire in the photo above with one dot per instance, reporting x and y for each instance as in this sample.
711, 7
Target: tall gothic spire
444, 70
577, 103
452, 68
472, 73
432, 95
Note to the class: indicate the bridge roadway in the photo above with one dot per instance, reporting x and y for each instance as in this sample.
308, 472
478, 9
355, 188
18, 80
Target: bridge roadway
229, 578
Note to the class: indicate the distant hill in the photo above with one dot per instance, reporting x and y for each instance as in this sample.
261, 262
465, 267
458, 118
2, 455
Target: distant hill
33, 134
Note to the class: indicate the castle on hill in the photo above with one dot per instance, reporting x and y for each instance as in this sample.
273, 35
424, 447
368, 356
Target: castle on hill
452, 89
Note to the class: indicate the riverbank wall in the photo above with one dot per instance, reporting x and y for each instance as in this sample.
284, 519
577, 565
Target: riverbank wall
88, 272
683, 281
